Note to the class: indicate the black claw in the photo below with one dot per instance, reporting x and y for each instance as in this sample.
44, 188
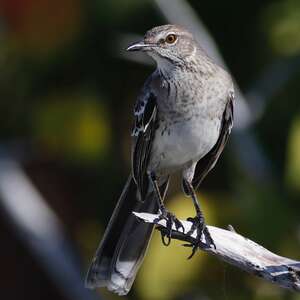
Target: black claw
208, 238
170, 220
163, 239
179, 225
200, 227
194, 249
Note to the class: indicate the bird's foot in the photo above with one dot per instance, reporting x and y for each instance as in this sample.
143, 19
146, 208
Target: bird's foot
170, 221
200, 227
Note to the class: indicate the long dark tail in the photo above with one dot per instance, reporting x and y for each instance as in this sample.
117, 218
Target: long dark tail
124, 244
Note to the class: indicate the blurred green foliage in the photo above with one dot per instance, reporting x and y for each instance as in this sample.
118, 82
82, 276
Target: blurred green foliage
293, 157
66, 103
282, 24
75, 126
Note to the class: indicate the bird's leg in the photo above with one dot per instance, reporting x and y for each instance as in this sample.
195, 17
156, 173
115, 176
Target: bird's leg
164, 214
198, 223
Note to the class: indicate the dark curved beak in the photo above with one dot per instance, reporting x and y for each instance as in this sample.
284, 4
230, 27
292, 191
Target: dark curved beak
140, 46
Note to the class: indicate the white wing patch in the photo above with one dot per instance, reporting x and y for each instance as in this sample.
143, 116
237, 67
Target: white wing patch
143, 112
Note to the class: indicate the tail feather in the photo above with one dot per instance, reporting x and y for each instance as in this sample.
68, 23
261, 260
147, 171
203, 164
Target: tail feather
124, 244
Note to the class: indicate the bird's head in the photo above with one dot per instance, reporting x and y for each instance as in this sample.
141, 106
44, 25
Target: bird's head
167, 44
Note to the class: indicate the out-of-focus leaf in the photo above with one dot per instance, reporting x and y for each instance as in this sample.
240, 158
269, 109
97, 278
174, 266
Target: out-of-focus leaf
293, 156
75, 126
281, 21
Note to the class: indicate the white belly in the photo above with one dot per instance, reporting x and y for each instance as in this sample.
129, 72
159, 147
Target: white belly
183, 143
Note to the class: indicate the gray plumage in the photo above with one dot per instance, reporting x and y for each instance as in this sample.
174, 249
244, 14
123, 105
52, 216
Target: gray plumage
183, 118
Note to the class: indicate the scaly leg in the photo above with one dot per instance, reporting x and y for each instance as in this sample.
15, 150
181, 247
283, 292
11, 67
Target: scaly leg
198, 223
164, 213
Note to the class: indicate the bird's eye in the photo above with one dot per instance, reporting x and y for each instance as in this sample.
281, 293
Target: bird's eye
171, 38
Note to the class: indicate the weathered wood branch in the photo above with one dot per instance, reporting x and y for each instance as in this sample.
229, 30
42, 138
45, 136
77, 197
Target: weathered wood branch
241, 252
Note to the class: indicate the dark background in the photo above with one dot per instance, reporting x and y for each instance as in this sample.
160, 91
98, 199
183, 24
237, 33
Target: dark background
67, 90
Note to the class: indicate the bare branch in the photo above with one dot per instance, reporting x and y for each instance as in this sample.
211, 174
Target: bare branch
241, 252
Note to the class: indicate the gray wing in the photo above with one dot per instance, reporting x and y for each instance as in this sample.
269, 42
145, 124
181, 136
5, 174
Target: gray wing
206, 163
145, 113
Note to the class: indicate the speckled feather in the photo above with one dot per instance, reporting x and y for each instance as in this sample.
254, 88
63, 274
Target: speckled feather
183, 117
186, 101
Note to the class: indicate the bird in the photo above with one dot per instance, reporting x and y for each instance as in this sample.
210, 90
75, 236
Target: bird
183, 117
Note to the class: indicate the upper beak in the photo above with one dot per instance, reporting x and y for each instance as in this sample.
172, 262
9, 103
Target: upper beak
139, 46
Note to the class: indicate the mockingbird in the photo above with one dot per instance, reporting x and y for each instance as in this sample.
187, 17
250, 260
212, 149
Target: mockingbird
183, 117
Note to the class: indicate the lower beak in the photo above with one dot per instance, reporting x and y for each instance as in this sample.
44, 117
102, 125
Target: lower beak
139, 46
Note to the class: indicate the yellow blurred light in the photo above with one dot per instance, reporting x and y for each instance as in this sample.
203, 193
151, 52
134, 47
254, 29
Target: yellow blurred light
293, 156
74, 126
92, 134
282, 23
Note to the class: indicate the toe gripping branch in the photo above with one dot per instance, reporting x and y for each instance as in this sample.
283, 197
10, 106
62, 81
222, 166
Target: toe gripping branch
164, 214
170, 221
198, 223
243, 253
199, 226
